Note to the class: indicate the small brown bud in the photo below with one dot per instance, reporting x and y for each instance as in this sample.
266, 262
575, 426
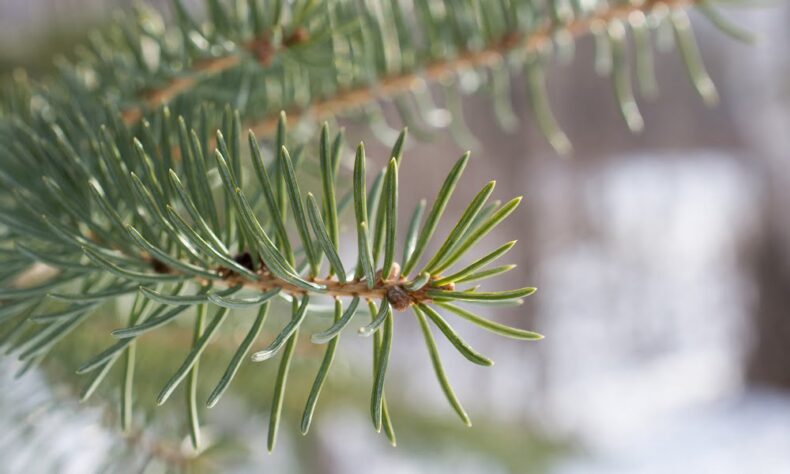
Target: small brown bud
159, 267
245, 260
398, 297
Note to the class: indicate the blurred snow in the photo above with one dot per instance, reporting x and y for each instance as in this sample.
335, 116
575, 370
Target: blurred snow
648, 316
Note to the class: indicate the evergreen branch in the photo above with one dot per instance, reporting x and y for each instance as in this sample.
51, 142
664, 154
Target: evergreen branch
342, 58
444, 69
441, 70
148, 229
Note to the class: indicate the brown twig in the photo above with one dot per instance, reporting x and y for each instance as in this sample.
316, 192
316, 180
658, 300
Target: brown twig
392, 287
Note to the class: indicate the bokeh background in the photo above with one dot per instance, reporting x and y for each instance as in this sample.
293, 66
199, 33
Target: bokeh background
663, 266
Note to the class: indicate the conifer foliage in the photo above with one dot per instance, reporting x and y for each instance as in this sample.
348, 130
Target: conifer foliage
134, 175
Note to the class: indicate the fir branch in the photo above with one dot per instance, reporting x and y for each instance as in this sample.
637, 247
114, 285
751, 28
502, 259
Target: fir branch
340, 58
443, 69
141, 227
